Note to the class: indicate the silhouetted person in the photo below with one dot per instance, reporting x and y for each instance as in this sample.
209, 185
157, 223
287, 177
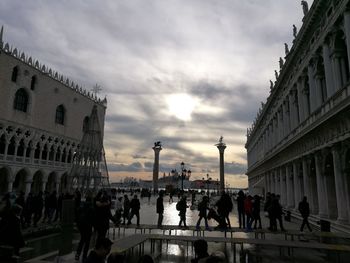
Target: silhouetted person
181, 206
256, 211
38, 204
59, 208
200, 249
202, 208
20, 200
118, 210
100, 252
304, 210
248, 209
52, 205
28, 210
240, 209
134, 210
268, 201
10, 226
275, 213
160, 209
126, 210
85, 220
103, 214
225, 206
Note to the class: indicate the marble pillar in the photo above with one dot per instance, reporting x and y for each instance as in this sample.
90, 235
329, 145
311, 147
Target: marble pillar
312, 89
157, 148
221, 146
290, 188
297, 185
322, 206
328, 70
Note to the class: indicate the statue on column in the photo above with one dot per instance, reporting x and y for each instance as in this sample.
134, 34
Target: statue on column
305, 7
281, 63
295, 31
286, 49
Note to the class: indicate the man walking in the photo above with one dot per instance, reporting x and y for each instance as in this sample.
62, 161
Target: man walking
181, 206
160, 208
135, 210
202, 208
304, 210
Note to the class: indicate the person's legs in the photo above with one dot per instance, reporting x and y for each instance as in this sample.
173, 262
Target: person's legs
308, 225
131, 215
137, 217
160, 219
280, 222
199, 221
86, 244
228, 220
206, 222
240, 219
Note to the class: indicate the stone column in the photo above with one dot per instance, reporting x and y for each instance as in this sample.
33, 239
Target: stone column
291, 111
290, 190
7, 142
277, 182
221, 146
157, 148
282, 187
306, 180
300, 100
43, 185
339, 185
312, 90
322, 205
9, 186
328, 70
28, 187
347, 31
297, 185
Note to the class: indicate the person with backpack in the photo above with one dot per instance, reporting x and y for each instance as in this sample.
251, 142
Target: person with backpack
182, 206
202, 208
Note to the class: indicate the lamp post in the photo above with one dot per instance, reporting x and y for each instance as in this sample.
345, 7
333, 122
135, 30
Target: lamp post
183, 175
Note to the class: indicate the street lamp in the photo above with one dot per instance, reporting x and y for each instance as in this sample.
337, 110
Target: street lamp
183, 175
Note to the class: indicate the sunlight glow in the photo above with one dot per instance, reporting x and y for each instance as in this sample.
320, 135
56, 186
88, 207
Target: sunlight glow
181, 106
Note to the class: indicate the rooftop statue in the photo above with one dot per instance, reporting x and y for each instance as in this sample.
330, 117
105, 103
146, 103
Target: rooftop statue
271, 84
281, 63
286, 49
158, 144
295, 31
305, 7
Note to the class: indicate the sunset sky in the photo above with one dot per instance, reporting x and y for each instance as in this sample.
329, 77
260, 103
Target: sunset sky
183, 72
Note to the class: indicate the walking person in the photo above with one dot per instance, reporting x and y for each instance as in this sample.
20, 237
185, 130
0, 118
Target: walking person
135, 210
268, 202
118, 211
85, 220
240, 209
304, 210
182, 206
202, 208
160, 208
256, 211
248, 209
103, 214
126, 209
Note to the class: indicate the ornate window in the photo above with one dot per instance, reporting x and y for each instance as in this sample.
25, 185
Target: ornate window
60, 114
14, 74
21, 100
33, 83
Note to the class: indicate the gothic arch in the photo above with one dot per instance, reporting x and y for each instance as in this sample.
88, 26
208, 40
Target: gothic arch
19, 183
64, 185
4, 179
51, 182
37, 183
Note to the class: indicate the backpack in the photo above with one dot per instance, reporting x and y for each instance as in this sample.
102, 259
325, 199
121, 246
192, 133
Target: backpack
178, 206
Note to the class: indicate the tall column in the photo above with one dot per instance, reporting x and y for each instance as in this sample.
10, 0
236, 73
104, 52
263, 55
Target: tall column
297, 185
9, 186
222, 146
43, 185
328, 70
312, 89
347, 31
300, 100
277, 182
306, 180
291, 111
290, 190
157, 148
28, 186
322, 207
282, 187
339, 185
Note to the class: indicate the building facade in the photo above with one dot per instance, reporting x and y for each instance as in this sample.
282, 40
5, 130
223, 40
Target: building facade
42, 119
299, 144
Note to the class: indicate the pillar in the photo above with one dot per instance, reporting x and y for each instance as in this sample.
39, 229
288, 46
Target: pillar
290, 190
9, 186
328, 70
28, 187
221, 146
322, 206
300, 100
283, 187
312, 91
277, 182
339, 185
157, 148
297, 186
306, 180
347, 31
43, 185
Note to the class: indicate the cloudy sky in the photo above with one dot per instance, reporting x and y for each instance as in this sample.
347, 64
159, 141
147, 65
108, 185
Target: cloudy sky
183, 72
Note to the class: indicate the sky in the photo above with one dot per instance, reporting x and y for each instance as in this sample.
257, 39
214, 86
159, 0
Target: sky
183, 72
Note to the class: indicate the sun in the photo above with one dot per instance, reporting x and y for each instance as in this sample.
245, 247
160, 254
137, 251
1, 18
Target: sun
181, 105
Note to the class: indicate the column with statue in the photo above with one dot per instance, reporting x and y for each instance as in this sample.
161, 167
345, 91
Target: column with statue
222, 146
156, 148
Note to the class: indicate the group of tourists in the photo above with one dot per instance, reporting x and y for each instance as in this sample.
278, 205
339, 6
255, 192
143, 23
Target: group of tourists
248, 208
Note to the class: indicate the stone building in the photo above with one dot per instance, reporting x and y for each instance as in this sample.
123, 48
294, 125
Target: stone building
42, 118
299, 144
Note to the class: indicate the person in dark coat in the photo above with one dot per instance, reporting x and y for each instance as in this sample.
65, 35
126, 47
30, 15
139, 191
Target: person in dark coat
202, 208
201, 251
182, 206
38, 204
225, 206
102, 205
160, 208
135, 210
256, 211
304, 210
59, 208
126, 209
240, 209
100, 252
85, 220
20, 200
10, 227
268, 201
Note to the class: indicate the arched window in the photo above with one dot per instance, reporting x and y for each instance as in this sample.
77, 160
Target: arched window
14, 74
33, 83
60, 114
21, 100
86, 124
